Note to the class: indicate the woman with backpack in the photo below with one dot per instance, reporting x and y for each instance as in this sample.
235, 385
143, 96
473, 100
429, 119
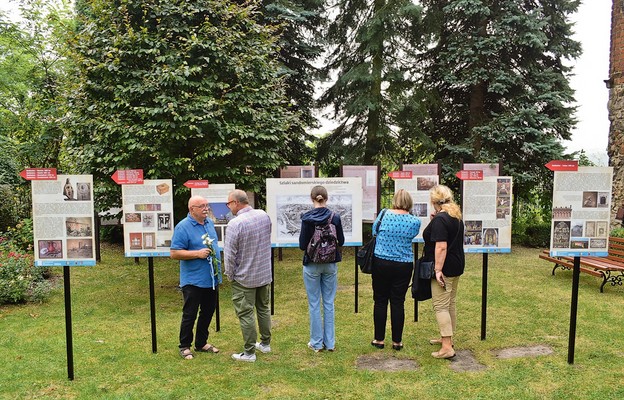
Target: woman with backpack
393, 266
320, 238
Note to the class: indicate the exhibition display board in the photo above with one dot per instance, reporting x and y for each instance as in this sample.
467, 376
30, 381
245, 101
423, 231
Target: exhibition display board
370, 188
63, 225
487, 214
581, 212
288, 199
147, 218
217, 196
424, 177
297, 171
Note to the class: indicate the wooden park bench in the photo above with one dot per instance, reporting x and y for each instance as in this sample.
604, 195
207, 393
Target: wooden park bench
610, 268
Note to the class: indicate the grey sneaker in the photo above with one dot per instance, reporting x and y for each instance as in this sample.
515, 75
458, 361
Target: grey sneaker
244, 357
312, 348
265, 348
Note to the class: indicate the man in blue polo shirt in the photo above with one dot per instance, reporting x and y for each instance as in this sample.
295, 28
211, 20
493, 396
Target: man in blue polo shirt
198, 278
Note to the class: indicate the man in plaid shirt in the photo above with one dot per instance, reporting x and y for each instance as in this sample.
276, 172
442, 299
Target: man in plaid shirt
247, 254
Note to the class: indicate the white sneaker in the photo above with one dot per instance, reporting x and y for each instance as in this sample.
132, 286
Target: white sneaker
265, 348
244, 357
313, 349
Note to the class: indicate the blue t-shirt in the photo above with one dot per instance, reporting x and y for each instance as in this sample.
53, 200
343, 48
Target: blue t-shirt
188, 236
394, 239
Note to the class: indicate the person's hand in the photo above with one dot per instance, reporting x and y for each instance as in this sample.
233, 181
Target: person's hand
440, 278
203, 253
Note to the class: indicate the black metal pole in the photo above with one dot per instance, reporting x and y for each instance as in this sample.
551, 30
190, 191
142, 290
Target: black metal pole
415, 250
150, 263
273, 281
484, 280
356, 275
573, 308
68, 324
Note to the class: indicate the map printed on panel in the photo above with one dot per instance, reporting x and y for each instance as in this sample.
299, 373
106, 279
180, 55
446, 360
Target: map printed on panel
289, 199
147, 218
418, 187
487, 215
217, 195
63, 221
581, 212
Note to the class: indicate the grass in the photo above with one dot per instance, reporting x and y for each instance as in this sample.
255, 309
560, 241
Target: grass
113, 357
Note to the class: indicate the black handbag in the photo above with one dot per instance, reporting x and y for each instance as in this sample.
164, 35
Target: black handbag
366, 253
426, 269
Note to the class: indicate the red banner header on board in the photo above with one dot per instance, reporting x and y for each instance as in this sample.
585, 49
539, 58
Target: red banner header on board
39, 174
562, 165
196, 184
470, 175
400, 175
128, 177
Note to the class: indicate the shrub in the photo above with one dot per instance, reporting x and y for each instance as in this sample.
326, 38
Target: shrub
20, 280
534, 235
617, 232
20, 237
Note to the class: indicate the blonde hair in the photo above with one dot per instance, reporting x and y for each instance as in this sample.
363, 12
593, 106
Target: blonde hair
319, 194
442, 196
402, 200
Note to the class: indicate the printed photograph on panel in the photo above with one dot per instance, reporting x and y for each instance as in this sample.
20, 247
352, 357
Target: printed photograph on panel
590, 199
79, 248
136, 240
490, 237
83, 191
590, 229
149, 240
579, 243
601, 229
147, 207
603, 199
307, 172
164, 221
50, 248
503, 187
561, 234
69, 194
162, 188
597, 243
78, 226
419, 209
133, 217
148, 220
472, 233
290, 208
220, 213
164, 241
562, 213
576, 229
425, 183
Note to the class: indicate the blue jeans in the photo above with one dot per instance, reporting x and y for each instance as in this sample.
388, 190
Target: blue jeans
321, 281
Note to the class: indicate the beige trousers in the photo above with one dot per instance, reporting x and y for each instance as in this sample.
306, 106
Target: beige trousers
443, 299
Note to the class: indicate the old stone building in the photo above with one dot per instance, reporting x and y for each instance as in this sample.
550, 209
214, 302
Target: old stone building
615, 83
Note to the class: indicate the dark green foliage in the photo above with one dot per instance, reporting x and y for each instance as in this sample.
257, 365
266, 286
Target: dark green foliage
497, 70
534, 235
181, 89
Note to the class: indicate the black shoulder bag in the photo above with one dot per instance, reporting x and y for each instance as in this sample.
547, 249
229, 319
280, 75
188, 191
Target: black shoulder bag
365, 254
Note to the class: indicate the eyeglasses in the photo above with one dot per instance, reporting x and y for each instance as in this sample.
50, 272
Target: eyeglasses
202, 206
229, 202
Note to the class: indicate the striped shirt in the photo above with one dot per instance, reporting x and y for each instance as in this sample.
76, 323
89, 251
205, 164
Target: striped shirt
247, 249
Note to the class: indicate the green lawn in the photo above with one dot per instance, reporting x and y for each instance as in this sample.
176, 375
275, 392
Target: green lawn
113, 356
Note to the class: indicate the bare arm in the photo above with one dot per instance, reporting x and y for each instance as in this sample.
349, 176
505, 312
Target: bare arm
440, 257
189, 254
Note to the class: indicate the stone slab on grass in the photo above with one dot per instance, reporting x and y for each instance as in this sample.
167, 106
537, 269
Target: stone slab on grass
385, 363
465, 361
528, 351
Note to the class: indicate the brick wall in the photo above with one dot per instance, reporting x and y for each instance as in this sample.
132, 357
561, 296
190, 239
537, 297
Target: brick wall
615, 148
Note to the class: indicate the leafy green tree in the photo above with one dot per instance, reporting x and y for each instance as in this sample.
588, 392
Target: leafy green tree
372, 47
300, 50
182, 89
497, 71
34, 77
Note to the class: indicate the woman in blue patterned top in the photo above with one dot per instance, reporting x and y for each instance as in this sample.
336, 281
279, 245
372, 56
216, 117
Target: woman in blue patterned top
392, 267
